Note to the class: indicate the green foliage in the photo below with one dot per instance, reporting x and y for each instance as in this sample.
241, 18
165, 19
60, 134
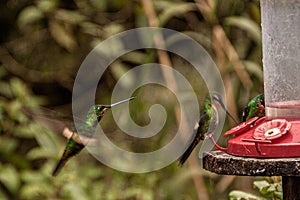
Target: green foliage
45, 43
246, 24
271, 188
27, 150
240, 195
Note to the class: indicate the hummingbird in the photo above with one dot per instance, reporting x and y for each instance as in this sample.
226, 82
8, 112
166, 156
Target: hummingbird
75, 144
255, 108
207, 123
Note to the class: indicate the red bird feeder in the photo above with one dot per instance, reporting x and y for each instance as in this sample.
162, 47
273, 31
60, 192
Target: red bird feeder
265, 138
277, 134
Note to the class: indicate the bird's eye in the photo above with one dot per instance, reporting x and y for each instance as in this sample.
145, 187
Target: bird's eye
262, 102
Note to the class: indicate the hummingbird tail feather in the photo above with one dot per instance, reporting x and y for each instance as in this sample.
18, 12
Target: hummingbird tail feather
188, 152
59, 166
71, 150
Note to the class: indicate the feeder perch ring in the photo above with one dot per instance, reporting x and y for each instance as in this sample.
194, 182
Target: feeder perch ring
271, 130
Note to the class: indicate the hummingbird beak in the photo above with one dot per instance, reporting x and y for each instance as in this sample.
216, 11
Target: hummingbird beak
120, 102
107, 107
218, 99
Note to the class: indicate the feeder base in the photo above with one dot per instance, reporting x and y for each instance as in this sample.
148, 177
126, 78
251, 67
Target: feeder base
289, 168
219, 162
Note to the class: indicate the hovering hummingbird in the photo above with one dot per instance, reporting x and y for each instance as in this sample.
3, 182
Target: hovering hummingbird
206, 125
255, 108
75, 144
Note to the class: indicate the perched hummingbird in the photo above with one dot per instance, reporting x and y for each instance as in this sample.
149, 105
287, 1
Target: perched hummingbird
74, 144
207, 119
255, 108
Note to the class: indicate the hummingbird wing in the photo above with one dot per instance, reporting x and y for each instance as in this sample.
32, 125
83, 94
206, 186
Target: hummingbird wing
62, 124
51, 119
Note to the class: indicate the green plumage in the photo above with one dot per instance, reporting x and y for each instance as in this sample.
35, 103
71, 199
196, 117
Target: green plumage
206, 125
74, 144
72, 148
255, 108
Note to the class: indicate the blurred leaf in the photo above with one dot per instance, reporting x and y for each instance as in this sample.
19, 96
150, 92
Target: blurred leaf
71, 17
246, 24
175, 10
91, 172
73, 190
3, 72
28, 16
279, 195
2, 118
7, 146
135, 57
24, 131
32, 176
112, 29
37, 153
254, 69
13, 110
263, 186
18, 88
255, 12
118, 69
100, 5
47, 5
279, 186
201, 38
268, 189
137, 193
45, 139
10, 178
62, 35
23, 95
91, 28
5, 89
111, 48
97, 189
163, 4
2, 196
36, 190
239, 195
